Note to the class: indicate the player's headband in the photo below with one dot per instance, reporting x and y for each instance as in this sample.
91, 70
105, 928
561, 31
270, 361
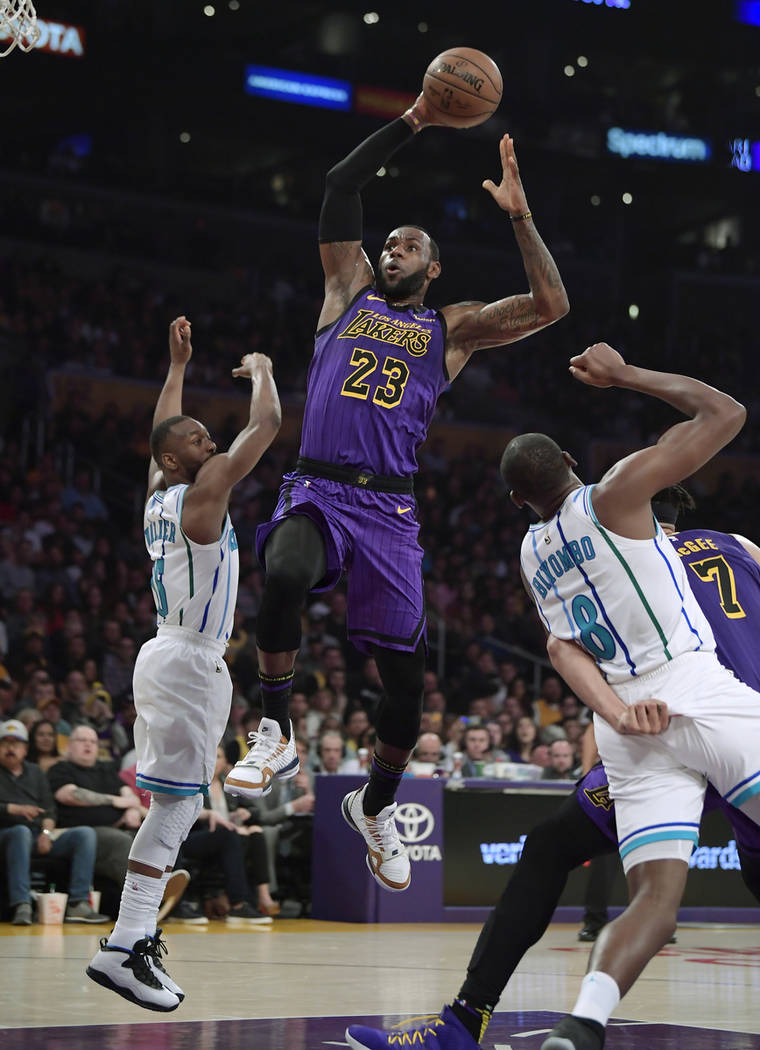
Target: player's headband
665, 512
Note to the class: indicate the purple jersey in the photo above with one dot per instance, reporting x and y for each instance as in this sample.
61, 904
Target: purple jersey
373, 385
725, 580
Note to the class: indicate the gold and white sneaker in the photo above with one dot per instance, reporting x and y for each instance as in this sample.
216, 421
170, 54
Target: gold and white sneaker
271, 756
387, 858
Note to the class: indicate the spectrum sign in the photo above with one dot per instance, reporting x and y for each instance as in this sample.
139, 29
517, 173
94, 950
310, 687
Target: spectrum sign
658, 145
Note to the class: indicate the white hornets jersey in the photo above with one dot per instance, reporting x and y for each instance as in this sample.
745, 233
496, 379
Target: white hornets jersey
194, 585
627, 602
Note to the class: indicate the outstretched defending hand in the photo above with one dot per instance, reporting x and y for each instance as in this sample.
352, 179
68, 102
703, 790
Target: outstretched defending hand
599, 365
180, 347
644, 717
252, 364
509, 194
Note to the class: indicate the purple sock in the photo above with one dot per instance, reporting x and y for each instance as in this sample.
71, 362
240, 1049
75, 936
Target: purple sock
275, 698
384, 779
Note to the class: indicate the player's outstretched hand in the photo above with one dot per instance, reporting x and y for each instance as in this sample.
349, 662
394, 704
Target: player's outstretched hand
599, 365
644, 717
180, 346
253, 364
509, 194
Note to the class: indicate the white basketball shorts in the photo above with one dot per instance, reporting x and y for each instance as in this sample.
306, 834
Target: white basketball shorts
658, 782
182, 692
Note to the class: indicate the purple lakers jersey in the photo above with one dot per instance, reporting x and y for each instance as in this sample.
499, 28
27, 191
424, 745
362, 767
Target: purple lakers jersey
373, 385
725, 580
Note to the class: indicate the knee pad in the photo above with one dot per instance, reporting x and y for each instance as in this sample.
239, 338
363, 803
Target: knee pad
164, 829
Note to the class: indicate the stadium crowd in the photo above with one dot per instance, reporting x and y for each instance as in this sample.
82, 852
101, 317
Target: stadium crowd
75, 602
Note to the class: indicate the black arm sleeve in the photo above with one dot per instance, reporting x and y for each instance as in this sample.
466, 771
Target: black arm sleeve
341, 215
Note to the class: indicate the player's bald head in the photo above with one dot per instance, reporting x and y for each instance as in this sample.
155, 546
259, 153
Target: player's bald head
534, 467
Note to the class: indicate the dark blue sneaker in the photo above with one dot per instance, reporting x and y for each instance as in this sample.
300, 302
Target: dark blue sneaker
442, 1032
575, 1033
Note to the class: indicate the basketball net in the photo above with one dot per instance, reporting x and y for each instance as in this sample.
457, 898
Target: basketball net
18, 20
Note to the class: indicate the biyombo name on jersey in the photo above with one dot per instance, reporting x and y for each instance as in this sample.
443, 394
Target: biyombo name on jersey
569, 556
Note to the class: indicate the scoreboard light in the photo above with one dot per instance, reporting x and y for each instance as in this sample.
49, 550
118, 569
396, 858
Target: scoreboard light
304, 88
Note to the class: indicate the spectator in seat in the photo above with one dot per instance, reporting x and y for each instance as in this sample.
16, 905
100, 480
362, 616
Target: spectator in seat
89, 791
562, 762
43, 745
119, 666
27, 827
356, 724
428, 755
476, 745
523, 740
331, 750
49, 708
548, 706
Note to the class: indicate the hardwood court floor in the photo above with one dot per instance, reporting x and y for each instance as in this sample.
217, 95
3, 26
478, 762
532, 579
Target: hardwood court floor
294, 986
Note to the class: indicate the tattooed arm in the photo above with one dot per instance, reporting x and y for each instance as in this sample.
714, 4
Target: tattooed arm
73, 795
474, 326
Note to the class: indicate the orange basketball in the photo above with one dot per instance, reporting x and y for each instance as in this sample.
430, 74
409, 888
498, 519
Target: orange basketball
463, 86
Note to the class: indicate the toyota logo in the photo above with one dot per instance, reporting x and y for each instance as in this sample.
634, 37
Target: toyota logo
415, 822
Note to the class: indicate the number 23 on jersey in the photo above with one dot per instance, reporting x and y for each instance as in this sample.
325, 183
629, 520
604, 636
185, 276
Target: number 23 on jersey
365, 364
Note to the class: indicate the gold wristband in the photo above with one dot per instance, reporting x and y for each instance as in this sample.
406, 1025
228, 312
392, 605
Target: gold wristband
414, 119
519, 218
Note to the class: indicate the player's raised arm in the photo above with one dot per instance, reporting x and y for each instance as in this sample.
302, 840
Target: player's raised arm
206, 501
169, 402
347, 268
474, 326
622, 498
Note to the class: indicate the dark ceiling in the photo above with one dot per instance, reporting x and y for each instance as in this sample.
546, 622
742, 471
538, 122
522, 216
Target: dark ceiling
157, 68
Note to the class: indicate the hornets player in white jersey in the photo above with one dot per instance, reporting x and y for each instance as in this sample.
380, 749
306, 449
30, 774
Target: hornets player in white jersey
182, 687
603, 575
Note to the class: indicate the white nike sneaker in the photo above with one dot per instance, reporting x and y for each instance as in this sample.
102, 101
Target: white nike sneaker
271, 756
129, 973
387, 858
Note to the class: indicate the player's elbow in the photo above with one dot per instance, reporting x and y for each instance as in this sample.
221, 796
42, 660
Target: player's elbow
336, 179
551, 308
733, 417
560, 306
553, 648
274, 420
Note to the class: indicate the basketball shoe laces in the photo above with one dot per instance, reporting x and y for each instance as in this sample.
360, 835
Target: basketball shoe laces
262, 746
384, 834
156, 948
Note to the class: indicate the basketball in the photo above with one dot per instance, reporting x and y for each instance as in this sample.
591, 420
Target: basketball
463, 86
